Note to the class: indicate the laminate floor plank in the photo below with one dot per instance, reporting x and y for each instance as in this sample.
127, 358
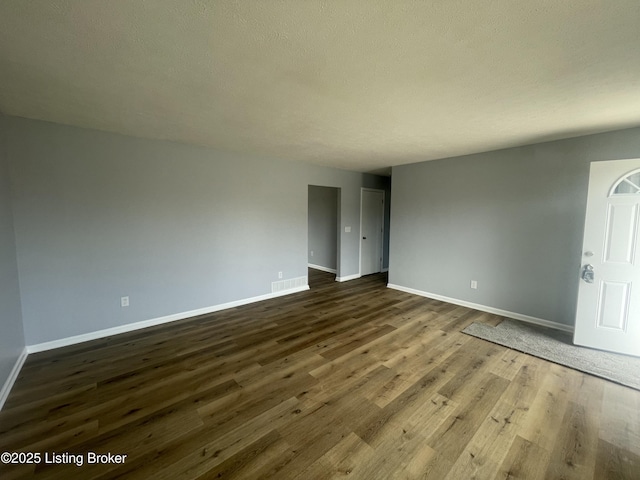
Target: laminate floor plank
614, 463
345, 380
488, 447
524, 460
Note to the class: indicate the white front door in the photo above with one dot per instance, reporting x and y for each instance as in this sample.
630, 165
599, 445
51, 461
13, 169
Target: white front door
608, 314
371, 229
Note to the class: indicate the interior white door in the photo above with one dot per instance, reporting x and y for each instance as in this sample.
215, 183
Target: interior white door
371, 230
608, 313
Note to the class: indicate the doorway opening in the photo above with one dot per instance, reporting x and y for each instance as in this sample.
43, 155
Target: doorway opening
323, 250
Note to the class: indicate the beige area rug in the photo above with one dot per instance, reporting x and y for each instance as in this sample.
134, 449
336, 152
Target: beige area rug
557, 347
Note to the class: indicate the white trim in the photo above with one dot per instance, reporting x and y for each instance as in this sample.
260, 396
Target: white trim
484, 308
63, 342
321, 268
348, 277
15, 371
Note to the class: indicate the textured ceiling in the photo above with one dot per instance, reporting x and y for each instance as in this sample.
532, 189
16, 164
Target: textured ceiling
359, 85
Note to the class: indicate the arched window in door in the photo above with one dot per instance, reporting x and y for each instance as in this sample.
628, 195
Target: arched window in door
627, 185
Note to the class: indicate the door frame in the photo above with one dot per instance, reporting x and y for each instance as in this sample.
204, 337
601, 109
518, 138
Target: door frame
362, 190
338, 228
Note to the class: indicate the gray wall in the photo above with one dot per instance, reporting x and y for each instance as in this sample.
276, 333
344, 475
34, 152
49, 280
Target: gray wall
323, 226
175, 227
11, 332
511, 219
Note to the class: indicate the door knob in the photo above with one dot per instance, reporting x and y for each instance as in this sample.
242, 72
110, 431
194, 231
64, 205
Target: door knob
588, 274
364, 238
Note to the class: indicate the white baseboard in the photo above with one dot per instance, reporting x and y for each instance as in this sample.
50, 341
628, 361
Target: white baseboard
348, 277
484, 308
321, 268
108, 332
15, 371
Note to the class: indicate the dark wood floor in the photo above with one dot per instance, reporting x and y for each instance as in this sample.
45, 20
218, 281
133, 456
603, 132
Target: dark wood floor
345, 380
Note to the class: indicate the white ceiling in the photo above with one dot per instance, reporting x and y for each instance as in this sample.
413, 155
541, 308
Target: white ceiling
359, 85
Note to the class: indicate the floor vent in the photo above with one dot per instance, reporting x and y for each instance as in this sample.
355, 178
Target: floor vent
289, 284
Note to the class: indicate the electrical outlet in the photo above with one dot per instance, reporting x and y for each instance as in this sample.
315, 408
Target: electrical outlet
474, 284
124, 301
347, 229
312, 253
279, 274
